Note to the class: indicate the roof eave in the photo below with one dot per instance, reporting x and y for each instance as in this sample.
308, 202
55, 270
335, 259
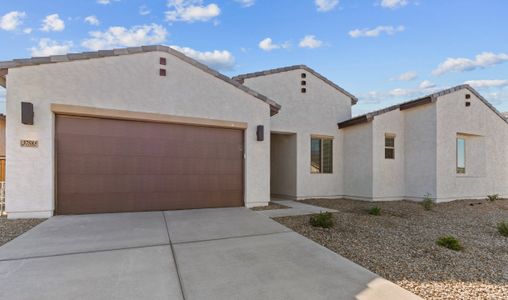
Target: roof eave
5, 65
418, 102
355, 121
241, 78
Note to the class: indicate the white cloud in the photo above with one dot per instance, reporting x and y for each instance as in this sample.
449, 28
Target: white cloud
47, 47
394, 3
425, 87
246, 3
408, 76
310, 41
481, 61
10, 21
426, 84
268, 45
191, 11
144, 10
106, 2
372, 97
487, 83
375, 32
125, 37
27, 30
326, 5
217, 59
499, 98
92, 20
52, 23
399, 92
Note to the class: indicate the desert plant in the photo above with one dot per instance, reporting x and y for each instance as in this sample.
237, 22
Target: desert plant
493, 197
427, 202
449, 242
375, 211
502, 227
323, 219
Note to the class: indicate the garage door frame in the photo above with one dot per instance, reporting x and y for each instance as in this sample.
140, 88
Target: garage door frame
113, 114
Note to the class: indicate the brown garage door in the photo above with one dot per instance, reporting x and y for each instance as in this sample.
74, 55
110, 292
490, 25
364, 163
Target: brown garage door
120, 166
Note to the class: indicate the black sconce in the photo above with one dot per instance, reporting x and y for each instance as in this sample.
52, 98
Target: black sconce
260, 133
27, 113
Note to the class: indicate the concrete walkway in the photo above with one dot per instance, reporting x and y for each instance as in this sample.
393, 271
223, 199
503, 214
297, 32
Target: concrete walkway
230, 253
295, 209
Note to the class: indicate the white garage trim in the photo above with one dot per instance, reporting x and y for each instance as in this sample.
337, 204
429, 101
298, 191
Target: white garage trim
87, 111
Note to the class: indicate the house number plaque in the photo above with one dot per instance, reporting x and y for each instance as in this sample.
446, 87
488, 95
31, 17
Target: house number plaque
30, 143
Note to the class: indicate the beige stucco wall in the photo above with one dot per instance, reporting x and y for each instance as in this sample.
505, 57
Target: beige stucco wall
131, 83
411, 175
420, 151
425, 153
388, 174
486, 136
358, 161
283, 165
316, 112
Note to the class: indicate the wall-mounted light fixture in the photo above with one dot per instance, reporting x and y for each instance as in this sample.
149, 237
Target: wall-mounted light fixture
27, 113
260, 132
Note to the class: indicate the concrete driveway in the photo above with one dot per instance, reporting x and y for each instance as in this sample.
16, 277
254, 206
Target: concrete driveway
230, 253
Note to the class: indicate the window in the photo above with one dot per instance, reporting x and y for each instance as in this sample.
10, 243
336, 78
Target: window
304, 90
321, 155
389, 147
461, 156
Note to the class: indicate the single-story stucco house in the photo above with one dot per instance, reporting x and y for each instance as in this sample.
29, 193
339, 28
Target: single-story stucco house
147, 128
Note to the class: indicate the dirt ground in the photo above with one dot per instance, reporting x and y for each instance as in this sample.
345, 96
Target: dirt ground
400, 244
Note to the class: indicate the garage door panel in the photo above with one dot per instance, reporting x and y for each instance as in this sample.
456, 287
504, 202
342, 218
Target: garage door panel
108, 202
111, 165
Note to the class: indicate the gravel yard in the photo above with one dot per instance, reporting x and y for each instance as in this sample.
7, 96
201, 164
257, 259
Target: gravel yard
400, 244
10, 229
270, 206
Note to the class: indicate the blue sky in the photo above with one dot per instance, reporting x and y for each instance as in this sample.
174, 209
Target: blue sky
382, 51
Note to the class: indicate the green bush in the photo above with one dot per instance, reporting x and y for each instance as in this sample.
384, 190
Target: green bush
449, 242
493, 197
375, 211
323, 219
502, 227
427, 202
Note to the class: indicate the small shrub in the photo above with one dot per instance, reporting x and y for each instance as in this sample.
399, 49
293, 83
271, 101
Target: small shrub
502, 227
449, 242
493, 197
427, 202
375, 211
323, 219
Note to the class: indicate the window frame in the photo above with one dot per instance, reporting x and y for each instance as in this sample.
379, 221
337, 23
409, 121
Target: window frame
460, 170
386, 147
322, 139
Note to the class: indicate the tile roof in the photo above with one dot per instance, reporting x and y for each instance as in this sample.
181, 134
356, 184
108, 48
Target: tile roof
5, 65
242, 77
420, 101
